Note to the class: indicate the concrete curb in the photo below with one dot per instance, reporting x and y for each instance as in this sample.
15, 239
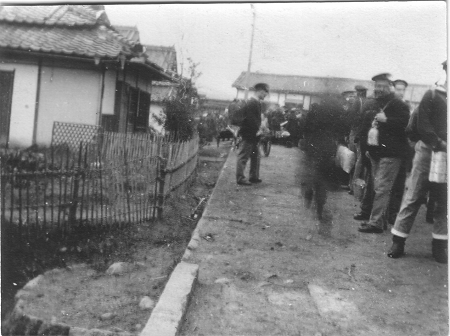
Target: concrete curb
166, 318
195, 239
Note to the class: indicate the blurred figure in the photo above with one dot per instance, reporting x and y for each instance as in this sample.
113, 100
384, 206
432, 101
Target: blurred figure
383, 140
322, 127
355, 118
432, 129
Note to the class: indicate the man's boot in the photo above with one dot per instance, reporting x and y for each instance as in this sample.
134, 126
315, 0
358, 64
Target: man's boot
398, 247
439, 249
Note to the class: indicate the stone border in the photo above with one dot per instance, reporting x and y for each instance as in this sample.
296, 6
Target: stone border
167, 317
19, 323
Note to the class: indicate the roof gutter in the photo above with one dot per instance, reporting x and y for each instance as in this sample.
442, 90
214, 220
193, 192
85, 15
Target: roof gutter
96, 60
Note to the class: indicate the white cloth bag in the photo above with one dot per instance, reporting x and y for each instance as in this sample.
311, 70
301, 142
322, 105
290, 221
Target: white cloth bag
438, 167
345, 158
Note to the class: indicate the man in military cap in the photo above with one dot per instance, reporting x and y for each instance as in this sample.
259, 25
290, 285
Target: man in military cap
349, 99
432, 129
383, 141
361, 91
250, 133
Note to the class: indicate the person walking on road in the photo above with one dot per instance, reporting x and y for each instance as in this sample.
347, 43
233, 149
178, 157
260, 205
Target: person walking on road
432, 130
250, 132
383, 132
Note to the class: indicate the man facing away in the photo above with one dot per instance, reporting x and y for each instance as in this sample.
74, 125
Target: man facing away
384, 142
250, 132
432, 129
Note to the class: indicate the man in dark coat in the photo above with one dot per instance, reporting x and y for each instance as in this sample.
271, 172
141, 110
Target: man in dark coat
432, 129
250, 132
384, 142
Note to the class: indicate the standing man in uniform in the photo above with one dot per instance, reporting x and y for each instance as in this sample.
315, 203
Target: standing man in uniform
383, 133
250, 133
432, 129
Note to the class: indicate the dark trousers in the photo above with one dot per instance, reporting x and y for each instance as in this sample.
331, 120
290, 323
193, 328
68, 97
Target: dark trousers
248, 150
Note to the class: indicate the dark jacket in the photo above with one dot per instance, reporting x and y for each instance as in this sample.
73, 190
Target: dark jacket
432, 118
252, 120
392, 137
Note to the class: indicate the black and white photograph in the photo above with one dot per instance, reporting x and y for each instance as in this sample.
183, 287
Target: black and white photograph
224, 168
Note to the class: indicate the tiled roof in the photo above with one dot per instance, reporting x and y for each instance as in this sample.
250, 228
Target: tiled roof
165, 57
131, 33
69, 30
301, 84
49, 15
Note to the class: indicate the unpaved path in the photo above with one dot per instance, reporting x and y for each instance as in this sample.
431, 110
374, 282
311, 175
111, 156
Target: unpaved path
283, 272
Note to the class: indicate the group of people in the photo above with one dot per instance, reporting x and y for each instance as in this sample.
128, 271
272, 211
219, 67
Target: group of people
394, 150
382, 135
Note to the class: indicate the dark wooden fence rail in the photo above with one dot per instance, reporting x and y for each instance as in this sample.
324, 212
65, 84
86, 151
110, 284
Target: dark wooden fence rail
116, 180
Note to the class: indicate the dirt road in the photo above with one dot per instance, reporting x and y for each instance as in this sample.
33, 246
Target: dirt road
269, 267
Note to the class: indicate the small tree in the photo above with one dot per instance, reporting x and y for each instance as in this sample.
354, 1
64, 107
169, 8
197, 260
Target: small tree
180, 109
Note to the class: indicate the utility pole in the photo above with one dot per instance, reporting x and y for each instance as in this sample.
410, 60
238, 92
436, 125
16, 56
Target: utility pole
250, 57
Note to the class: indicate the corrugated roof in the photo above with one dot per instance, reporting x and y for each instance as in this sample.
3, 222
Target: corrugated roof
301, 84
131, 33
69, 30
165, 57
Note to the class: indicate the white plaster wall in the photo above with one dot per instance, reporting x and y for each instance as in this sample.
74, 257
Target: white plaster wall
241, 94
23, 103
282, 99
109, 93
307, 103
273, 97
67, 95
295, 96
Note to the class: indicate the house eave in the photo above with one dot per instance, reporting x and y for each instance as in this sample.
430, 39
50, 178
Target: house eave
158, 74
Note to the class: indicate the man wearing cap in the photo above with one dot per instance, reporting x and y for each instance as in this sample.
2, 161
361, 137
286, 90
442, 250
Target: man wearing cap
384, 142
250, 132
400, 86
432, 128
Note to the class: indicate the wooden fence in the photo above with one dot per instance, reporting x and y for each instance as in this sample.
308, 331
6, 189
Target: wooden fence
118, 179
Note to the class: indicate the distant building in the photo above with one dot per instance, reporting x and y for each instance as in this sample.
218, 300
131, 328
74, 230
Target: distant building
215, 106
303, 91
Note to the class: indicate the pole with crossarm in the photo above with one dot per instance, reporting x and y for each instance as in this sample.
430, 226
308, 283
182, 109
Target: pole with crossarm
247, 75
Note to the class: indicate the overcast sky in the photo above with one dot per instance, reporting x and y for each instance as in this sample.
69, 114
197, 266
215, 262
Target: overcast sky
354, 40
